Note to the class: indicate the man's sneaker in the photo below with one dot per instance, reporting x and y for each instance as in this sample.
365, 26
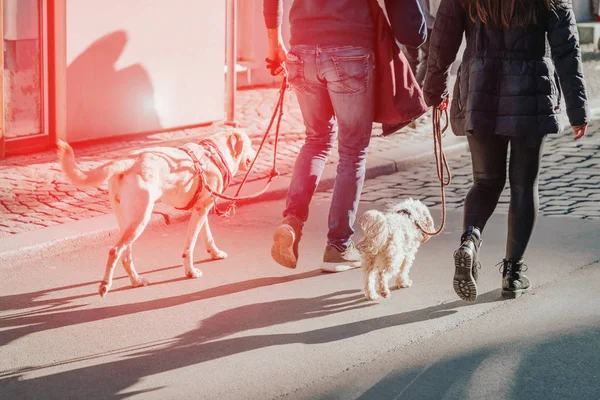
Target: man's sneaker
514, 281
285, 242
337, 260
466, 263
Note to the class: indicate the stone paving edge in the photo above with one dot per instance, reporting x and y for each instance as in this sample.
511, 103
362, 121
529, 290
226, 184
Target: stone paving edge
50, 240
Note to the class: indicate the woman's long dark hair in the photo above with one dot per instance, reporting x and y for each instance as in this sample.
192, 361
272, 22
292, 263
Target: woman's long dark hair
507, 13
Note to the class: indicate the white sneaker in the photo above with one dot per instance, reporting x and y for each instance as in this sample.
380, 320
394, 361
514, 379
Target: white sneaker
335, 260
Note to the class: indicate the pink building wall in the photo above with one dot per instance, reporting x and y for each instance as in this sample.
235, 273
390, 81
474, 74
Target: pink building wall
252, 41
136, 66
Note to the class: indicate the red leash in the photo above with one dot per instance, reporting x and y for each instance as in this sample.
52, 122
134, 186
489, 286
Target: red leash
278, 112
441, 164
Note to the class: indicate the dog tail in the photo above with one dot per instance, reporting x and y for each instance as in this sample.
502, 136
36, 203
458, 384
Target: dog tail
375, 227
87, 179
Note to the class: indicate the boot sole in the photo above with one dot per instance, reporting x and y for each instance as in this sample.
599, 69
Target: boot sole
283, 247
464, 283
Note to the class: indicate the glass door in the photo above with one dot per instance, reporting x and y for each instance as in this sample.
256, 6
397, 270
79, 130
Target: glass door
25, 75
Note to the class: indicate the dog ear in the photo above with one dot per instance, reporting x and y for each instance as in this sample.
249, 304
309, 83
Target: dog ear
236, 144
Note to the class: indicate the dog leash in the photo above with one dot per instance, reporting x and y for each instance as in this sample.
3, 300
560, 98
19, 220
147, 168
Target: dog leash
441, 164
278, 112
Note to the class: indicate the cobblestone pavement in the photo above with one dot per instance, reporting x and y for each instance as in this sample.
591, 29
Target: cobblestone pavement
591, 70
34, 193
569, 182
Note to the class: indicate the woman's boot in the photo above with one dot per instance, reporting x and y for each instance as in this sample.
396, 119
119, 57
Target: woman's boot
514, 281
466, 263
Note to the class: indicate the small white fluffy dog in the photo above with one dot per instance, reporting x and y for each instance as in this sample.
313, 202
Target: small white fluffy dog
138, 180
390, 245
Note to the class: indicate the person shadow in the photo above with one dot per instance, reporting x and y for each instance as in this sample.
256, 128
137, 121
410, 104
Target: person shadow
560, 366
105, 101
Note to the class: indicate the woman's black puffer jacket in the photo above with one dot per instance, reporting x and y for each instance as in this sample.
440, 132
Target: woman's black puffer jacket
509, 82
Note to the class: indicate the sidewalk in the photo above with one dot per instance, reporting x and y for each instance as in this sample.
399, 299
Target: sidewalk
250, 329
38, 205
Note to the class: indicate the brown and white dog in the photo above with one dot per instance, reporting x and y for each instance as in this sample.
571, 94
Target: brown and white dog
138, 180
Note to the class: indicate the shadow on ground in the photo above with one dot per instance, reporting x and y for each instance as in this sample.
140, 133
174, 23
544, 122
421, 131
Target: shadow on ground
559, 367
209, 342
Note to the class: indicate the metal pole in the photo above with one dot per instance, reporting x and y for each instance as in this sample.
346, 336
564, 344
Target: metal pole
231, 44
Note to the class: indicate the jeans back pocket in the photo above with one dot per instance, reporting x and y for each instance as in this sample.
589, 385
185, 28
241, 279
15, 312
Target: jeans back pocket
295, 71
352, 72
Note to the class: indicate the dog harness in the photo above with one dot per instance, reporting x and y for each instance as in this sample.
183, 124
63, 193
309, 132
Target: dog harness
216, 157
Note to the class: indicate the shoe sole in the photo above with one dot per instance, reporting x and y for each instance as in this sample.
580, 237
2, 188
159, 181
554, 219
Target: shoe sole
339, 267
464, 283
283, 247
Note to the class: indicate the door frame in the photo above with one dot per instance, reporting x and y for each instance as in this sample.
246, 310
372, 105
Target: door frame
54, 23
2, 144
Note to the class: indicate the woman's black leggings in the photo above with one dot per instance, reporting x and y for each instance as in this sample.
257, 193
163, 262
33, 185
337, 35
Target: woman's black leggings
489, 157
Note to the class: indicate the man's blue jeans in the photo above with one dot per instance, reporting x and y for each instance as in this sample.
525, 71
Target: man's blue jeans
334, 86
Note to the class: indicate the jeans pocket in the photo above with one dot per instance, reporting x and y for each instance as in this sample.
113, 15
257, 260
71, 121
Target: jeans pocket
352, 73
295, 72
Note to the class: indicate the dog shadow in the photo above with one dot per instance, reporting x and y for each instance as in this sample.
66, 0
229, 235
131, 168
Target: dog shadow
59, 313
43, 304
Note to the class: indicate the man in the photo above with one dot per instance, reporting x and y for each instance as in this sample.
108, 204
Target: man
331, 67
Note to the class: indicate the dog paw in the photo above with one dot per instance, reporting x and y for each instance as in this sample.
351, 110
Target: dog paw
193, 273
372, 296
217, 254
103, 289
140, 282
406, 283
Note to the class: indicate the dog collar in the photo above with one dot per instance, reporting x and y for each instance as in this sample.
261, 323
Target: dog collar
405, 212
412, 218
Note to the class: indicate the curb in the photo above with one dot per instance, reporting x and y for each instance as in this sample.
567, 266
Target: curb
52, 240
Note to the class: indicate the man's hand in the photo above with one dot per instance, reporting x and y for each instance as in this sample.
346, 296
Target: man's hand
277, 52
579, 131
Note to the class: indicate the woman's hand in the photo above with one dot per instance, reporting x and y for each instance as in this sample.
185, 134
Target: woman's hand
579, 131
443, 106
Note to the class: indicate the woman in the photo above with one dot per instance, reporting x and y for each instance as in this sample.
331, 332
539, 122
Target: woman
521, 56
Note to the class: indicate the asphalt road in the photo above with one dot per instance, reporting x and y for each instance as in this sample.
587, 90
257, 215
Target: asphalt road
249, 329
